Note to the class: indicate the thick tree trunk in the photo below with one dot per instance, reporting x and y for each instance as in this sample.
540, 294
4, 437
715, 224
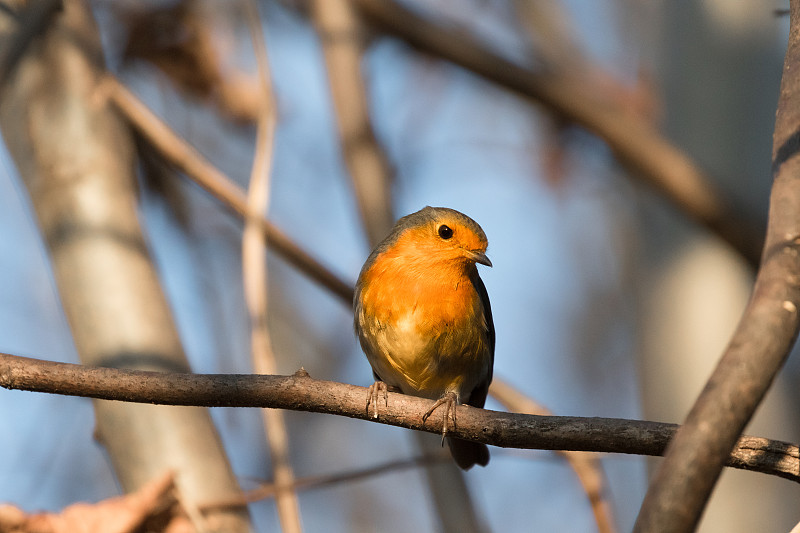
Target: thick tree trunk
77, 161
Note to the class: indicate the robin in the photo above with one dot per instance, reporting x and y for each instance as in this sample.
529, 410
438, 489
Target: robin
423, 318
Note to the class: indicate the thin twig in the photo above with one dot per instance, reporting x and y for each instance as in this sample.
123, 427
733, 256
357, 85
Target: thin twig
299, 392
189, 161
268, 490
586, 466
254, 273
765, 335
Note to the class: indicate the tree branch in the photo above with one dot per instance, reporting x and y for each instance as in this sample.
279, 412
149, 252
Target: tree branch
300, 392
636, 143
766, 333
189, 161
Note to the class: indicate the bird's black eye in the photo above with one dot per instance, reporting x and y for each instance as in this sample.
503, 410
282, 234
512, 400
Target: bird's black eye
445, 232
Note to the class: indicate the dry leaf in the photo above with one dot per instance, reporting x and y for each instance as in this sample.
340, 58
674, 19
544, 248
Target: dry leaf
152, 508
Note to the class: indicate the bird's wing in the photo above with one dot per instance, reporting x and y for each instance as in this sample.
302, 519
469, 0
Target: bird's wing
477, 397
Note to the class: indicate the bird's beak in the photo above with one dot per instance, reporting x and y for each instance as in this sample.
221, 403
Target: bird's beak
478, 257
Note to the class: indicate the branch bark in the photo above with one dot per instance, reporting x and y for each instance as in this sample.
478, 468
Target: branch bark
300, 392
766, 333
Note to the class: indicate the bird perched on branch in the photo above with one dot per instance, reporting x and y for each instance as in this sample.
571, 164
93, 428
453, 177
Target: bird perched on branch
423, 318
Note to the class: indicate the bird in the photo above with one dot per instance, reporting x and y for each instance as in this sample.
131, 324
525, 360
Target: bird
423, 318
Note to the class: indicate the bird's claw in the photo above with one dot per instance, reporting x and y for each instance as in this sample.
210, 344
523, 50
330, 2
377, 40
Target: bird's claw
449, 400
374, 394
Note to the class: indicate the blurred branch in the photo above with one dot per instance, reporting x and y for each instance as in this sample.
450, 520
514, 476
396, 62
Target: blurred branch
763, 339
341, 32
586, 465
254, 274
180, 39
551, 34
268, 490
555, 47
299, 392
31, 21
186, 159
636, 143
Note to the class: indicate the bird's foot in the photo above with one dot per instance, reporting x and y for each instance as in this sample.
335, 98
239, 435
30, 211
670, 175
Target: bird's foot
374, 394
449, 400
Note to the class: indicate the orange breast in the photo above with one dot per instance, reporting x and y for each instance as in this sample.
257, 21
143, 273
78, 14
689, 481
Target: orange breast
422, 326
437, 299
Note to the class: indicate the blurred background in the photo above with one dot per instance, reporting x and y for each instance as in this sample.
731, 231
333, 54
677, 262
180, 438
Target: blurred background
608, 300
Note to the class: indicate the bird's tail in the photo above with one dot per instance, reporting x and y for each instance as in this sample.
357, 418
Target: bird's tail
468, 453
